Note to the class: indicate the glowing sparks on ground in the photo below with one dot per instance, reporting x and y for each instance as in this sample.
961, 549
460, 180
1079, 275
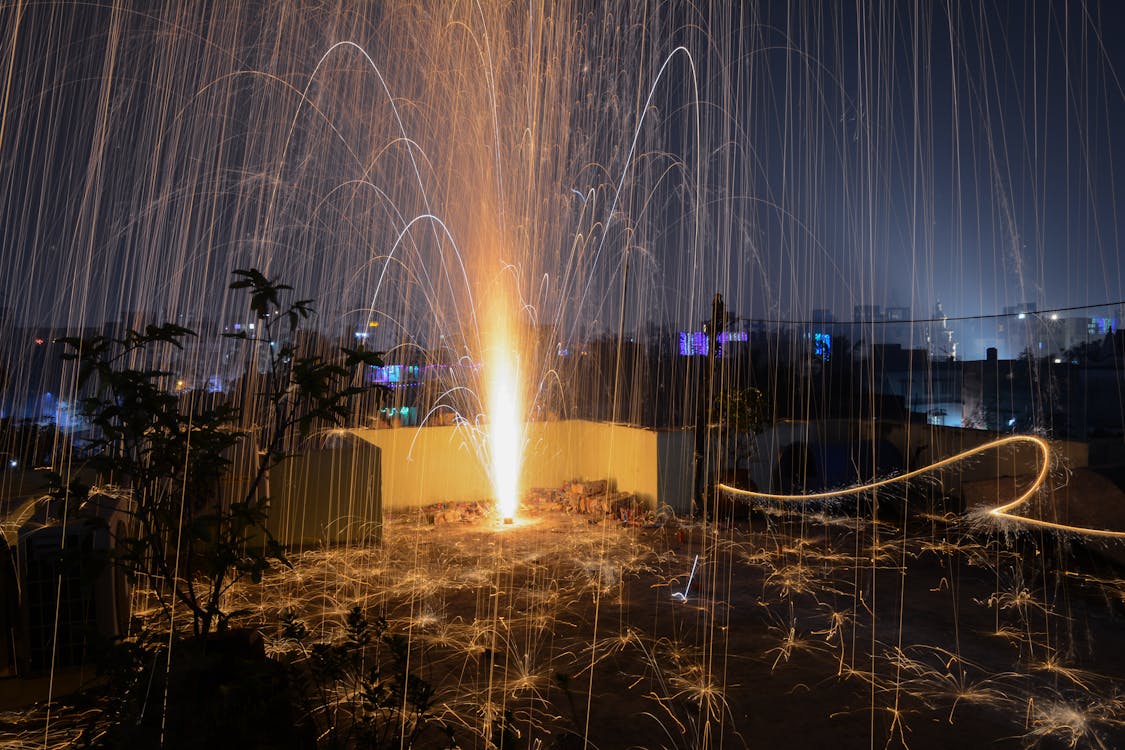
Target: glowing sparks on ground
511, 634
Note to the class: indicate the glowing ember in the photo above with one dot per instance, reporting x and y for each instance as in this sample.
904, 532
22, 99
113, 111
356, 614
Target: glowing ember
505, 431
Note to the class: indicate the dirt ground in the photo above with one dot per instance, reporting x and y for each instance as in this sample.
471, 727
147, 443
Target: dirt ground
796, 629
784, 628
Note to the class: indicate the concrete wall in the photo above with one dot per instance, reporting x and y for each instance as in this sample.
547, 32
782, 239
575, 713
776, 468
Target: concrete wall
328, 493
918, 444
923, 444
336, 493
426, 465
674, 450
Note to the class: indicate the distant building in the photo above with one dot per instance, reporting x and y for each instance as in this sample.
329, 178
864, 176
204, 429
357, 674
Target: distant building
939, 337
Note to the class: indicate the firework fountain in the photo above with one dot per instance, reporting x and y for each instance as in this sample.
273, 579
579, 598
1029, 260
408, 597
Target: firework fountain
488, 191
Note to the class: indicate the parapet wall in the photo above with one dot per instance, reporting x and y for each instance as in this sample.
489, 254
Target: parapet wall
427, 465
918, 445
328, 493
338, 493
925, 444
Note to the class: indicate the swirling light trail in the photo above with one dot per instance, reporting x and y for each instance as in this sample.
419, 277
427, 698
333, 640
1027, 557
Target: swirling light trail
999, 511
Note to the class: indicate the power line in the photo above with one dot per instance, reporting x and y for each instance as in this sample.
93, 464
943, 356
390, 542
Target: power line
947, 319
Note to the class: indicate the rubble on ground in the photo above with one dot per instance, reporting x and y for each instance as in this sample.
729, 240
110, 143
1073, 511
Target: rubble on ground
595, 498
463, 512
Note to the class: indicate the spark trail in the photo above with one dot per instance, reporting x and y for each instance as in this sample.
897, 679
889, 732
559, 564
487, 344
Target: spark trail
1002, 511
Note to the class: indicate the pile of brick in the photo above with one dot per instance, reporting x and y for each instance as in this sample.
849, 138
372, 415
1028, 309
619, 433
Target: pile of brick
543, 500
590, 498
463, 512
593, 498
587, 498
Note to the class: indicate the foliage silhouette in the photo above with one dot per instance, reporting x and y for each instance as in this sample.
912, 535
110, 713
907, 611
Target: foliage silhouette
167, 458
358, 690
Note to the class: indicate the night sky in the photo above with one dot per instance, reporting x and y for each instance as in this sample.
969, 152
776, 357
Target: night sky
819, 155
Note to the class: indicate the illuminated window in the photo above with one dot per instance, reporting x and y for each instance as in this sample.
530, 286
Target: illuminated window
1101, 326
695, 343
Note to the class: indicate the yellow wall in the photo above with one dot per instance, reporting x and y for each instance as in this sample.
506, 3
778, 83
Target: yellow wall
426, 465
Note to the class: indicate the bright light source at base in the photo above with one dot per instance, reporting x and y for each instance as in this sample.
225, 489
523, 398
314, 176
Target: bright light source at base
505, 433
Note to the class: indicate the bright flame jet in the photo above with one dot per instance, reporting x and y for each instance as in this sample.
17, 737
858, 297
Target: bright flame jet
505, 429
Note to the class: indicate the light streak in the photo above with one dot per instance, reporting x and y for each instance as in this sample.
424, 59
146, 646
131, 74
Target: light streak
1003, 511
683, 595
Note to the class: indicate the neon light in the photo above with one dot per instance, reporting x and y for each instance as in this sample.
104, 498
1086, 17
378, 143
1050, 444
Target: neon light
695, 343
1000, 511
822, 345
